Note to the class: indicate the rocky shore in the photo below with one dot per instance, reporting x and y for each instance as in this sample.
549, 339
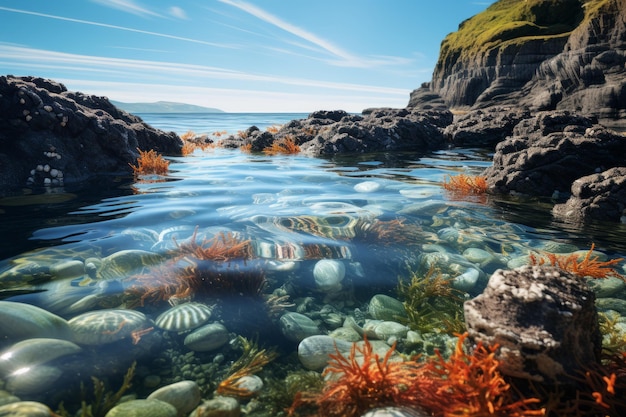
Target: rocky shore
50, 136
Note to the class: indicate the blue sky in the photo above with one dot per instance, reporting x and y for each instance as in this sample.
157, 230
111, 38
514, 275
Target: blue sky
235, 55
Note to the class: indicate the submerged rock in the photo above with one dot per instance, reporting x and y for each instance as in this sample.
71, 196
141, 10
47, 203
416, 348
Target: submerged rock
544, 320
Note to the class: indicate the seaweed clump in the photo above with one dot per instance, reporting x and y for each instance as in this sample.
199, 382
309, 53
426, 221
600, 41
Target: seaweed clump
463, 385
103, 400
150, 162
587, 267
431, 303
252, 361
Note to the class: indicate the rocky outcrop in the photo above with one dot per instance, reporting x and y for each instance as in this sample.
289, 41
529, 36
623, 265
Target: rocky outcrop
485, 128
598, 196
326, 133
548, 152
542, 54
550, 329
50, 136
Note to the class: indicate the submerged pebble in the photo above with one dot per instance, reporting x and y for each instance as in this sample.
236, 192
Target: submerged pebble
106, 326
20, 321
183, 395
296, 326
209, 337
328, 274
143, 408
183, 317
313, 351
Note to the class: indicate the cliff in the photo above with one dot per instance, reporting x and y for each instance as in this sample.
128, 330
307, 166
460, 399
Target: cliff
543, 54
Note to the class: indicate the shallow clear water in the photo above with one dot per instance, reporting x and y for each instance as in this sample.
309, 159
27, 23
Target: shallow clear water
377, 215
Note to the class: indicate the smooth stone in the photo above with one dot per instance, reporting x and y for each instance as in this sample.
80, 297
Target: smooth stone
467, 280
218, 407
296, 326
143, 408
151, 381
345, 333
478, 256
384, 307
206, 338
183, 317
32, 379
68, 269
367, 187
313, 351
25, 409
328, 274
32, 352
388, 329
606, 287
610, 303
183, 395
555, 247
125, 262
251, 383
19, 321
100, 327
518, 261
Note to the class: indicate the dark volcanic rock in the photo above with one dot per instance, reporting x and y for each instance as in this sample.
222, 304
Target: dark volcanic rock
335, 132
549, 151
425, 99
543, 319
485, 128
51, 136
598, 196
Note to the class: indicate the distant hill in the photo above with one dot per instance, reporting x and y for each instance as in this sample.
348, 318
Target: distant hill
164, 107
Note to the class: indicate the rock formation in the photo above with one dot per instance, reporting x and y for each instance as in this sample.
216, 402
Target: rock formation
550, 328
333, 132
548, 152
599, 196
50, 136
543, 54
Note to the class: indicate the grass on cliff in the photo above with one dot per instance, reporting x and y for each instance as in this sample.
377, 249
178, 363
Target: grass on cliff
511, 22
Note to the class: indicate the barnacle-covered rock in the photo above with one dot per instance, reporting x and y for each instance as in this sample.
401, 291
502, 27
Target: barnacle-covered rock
544, 320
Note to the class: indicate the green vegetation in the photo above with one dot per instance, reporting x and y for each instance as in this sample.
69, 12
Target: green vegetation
431, 303
511, 22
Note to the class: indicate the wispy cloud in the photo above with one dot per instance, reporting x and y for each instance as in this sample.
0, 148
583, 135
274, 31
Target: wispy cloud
177, 12
341, 57
29, 57
128, 6
127, 29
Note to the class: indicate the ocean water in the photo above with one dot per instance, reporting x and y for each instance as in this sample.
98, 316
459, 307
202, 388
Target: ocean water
320, 236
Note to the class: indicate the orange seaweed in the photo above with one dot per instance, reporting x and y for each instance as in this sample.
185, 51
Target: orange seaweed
150, 162
464, 385
286, 146
222, 247
465, 184
587, 267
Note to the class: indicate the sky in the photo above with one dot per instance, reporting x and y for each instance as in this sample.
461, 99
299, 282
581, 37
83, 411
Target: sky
234, 55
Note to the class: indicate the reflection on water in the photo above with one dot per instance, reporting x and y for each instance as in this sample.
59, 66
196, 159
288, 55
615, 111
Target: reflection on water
241, 243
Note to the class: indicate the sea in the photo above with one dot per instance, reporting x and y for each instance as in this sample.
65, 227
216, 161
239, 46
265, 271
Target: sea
249, 238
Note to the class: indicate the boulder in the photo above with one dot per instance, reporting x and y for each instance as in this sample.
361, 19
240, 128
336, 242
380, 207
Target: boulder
598, 196
50, 136
547, 152
485, 127
544, 320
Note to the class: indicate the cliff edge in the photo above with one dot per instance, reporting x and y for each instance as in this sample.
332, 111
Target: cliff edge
541, 54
